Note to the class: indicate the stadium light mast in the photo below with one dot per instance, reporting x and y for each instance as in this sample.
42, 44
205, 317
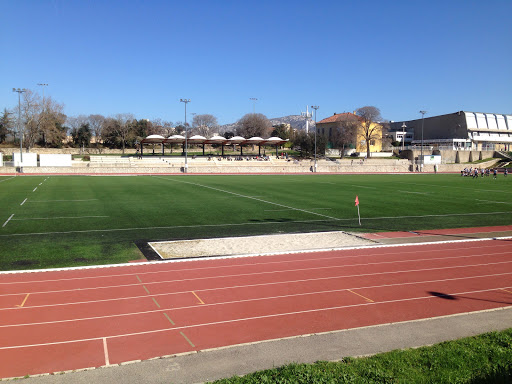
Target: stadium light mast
422, 124
186, 101
307, 116
403, 135
20, 91
315, 107
254, 100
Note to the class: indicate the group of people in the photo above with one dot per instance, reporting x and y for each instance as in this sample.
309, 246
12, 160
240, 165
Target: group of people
240, 158
475, 172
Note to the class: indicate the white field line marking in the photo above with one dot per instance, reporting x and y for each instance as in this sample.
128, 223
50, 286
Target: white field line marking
295, 260
248, 197
105, 350
242, 224
10, 217
495, 202
246, 319
24, 201
1, 181
326, 182
59, 217
451, 186
52, 201
287, 209
35, 189
361, 186
266, 273
227, 302
416, 193
245, 256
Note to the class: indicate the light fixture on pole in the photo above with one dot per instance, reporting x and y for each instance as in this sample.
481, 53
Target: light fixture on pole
186, 101
403, 135
20, 91
422, 124
315, 107
253, 103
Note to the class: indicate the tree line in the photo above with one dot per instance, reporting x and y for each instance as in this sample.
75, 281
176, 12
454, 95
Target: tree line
44, 123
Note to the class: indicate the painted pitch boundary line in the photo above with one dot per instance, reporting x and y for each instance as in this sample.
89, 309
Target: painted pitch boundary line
23, 202
248, 197
106, 266
10, 217
59, 217
233, 301
1, 181
245, 319
52, 201
269, 263
35, 189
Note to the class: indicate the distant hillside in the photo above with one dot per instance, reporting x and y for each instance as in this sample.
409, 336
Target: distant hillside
295, 121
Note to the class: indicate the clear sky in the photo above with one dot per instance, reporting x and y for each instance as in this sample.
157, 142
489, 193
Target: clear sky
142, 56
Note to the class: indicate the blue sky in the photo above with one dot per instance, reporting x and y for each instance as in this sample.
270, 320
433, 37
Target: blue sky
141, 57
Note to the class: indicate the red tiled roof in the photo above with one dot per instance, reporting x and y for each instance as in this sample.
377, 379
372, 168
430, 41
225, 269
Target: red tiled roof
338, 117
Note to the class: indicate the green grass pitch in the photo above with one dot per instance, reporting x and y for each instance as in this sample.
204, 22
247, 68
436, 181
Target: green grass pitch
56, 221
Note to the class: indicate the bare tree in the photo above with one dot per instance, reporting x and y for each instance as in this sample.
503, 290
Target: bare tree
370, 127
204, 124
124, 126
97, 126
345, 132
253, 124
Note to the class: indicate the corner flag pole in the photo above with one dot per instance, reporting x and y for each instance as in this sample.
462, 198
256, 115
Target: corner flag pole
358, 214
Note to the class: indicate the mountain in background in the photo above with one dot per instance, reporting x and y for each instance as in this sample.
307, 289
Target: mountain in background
296, 122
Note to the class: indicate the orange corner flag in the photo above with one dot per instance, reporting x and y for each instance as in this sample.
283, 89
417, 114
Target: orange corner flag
357, 201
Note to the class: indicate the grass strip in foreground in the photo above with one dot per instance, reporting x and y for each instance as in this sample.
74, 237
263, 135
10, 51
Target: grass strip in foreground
486, 358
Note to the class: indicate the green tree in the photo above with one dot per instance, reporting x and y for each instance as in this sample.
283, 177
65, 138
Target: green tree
6, 124
281, 130
82, 136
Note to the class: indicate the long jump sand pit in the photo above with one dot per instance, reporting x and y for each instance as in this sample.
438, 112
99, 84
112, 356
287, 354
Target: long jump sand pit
257, 245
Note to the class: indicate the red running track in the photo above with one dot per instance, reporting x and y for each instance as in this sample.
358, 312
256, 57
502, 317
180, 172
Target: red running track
62, 320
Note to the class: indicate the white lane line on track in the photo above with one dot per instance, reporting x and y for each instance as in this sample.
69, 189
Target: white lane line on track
59, 217
10, 217
233, 301
105, 350
244, 319
246, 196
295, 260
24, 201
255, 255
265, 273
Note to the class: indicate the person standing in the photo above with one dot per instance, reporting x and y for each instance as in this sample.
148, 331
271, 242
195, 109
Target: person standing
495, 172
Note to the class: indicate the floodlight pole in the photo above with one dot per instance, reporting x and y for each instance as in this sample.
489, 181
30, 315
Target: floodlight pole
20, 91
185, 170
253, 104
422, 124
315, 107
403, 135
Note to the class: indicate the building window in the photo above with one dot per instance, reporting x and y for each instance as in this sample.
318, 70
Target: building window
372, 142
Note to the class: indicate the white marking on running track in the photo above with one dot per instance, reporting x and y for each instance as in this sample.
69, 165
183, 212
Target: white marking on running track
228, 302
35, 189
248, 197
1, 181
105, 350
10, 217
59, 217
270, 273
244, 319
242, 256
24, 201
295, 260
